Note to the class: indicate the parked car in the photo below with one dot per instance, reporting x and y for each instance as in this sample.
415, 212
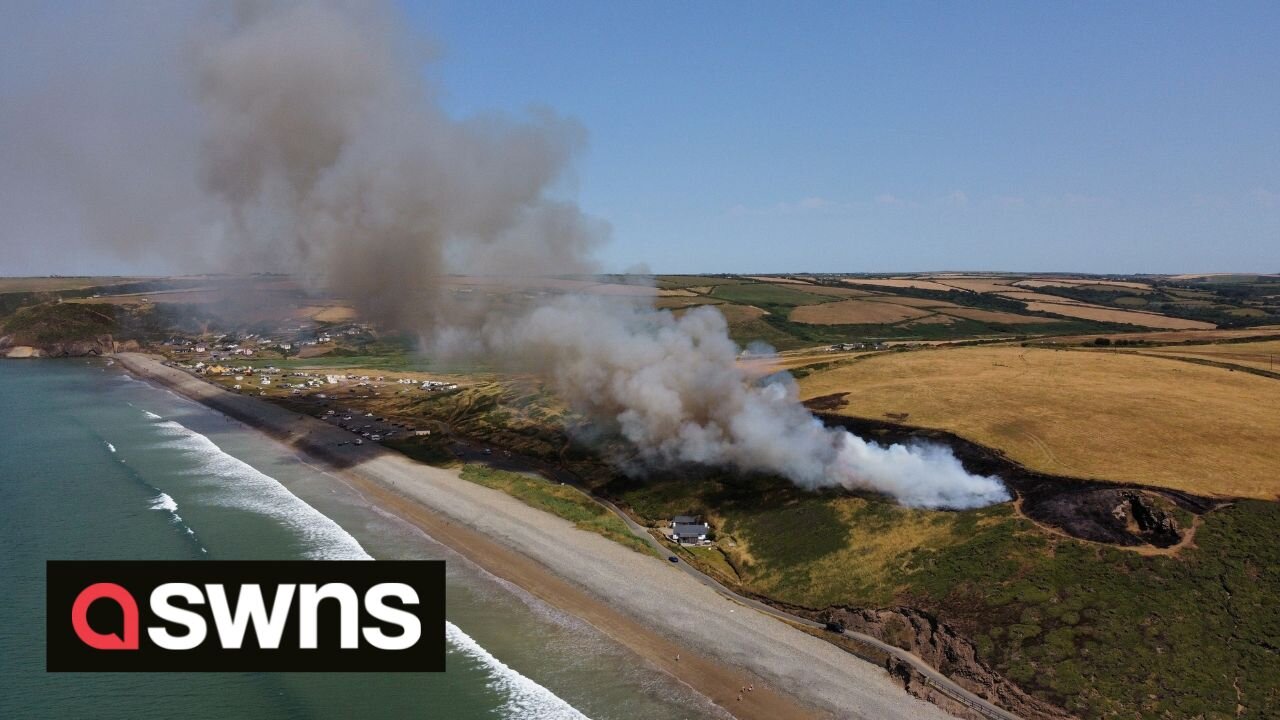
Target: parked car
673, 558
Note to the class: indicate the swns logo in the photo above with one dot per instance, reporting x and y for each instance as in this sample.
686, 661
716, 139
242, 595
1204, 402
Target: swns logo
349, 616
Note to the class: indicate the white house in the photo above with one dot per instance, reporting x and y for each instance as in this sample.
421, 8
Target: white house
687, 530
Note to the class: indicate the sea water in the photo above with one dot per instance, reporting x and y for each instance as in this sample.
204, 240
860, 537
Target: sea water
97, 465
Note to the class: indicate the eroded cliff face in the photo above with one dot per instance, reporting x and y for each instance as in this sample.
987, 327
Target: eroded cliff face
952, 654
14, 348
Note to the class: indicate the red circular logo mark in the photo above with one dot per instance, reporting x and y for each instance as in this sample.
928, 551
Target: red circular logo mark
106, 641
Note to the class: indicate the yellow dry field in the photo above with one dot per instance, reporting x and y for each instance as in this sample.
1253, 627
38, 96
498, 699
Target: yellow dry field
1028, 296
329, 314
123, 300
1259, 355
673, 302
898, 283
1198, 276
854, 312
800, 358
1175, 336
314, 351
1083, 283
912, 301
975, 284
756, 367
741, 313
50, 284
838, 291
996, 316
196, 296
1093, 312
781, 280
936, 319
1105, 415
621, 289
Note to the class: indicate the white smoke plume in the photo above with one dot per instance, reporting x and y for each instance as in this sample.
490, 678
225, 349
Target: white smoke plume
672, 387
299, 136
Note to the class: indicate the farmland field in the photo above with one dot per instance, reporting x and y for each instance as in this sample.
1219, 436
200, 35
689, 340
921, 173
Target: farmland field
976, 284
53, 284
1257, 355
855, 312
1103, 415
898, 283
996, 316
1101, 314
1029, 296
767, 294
1078, 283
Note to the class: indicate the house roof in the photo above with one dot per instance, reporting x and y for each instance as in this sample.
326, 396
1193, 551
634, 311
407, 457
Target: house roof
684, 519
691, 529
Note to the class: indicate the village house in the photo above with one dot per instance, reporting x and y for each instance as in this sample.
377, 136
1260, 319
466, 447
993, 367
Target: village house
688, 530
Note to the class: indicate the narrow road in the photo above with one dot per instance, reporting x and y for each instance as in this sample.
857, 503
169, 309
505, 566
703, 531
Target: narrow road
937, 680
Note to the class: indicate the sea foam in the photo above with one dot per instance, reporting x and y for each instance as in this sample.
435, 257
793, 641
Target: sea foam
242, 486
165, 502
526, 699
252, 490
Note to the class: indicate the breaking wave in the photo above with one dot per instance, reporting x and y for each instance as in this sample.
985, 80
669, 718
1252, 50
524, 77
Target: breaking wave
165, 503
526, 699
243, 487
255, 491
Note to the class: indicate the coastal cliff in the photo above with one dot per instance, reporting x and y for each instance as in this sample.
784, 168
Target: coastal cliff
20, 348
58, 329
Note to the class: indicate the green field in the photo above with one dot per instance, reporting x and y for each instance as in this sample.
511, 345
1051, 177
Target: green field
559, 500
1100, 631
773, 298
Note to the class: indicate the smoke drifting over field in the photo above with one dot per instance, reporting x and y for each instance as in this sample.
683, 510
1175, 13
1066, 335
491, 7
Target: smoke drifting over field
315, 148
673, 389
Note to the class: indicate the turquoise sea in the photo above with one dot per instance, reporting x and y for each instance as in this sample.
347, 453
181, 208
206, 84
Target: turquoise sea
97, 465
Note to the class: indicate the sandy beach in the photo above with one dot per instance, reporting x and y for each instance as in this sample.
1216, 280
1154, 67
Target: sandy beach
637, 600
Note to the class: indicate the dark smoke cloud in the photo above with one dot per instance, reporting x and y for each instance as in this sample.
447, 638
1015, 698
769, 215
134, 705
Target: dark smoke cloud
300, 136
333, 160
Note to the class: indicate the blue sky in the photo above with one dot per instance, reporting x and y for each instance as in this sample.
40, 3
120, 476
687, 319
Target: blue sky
857, 137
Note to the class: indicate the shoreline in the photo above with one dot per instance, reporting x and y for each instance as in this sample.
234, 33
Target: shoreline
636, 600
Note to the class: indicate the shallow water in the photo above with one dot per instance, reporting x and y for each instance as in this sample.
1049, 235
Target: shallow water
97, 465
